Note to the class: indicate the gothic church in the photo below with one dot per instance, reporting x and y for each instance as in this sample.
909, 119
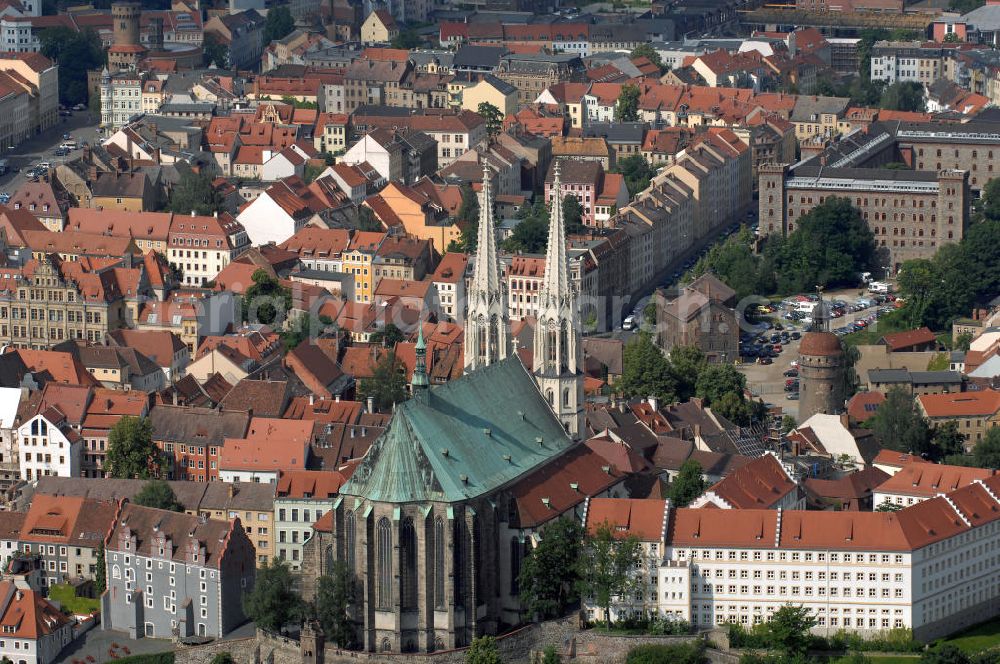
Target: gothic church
427, 525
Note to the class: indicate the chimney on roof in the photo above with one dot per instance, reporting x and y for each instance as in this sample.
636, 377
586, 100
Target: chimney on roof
311, 399
371, 404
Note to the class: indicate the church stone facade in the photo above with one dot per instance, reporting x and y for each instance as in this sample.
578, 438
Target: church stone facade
427, 526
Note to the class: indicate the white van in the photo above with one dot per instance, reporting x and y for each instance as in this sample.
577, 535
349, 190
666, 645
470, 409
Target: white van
879, 287
628, 323
69, 145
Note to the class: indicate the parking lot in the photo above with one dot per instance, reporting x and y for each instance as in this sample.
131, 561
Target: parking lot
851, 309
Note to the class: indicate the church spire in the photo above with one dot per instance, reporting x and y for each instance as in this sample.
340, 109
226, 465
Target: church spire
555, 286
555, 360
420, 381
486, 333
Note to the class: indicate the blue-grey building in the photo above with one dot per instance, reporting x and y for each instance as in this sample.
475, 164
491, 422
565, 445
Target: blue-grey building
170, 573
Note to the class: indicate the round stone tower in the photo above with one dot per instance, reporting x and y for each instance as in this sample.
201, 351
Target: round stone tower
125, 16
821, 374
127, 50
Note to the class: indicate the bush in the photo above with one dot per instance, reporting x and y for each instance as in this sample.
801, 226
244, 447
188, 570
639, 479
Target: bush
156, 658
680, 653
893, 640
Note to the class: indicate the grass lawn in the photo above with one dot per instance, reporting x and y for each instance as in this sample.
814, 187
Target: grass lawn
884, 659
982, 636
66, 597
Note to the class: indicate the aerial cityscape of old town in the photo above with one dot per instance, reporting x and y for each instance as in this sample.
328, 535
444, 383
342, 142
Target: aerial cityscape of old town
500, 332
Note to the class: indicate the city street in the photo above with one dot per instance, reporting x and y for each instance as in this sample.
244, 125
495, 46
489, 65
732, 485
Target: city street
81, 126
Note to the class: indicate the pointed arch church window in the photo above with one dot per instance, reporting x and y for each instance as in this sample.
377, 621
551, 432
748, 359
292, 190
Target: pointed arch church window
439, 563
383, 539
408, 564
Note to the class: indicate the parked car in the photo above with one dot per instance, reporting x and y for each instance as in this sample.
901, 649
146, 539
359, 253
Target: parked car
4, 198
765, 360
792, 396
79, 107
791, 373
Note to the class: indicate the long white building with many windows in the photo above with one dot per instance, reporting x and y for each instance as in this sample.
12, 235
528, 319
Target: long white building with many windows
933, 567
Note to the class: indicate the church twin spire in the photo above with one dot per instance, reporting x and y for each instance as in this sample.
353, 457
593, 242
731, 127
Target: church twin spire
557, 340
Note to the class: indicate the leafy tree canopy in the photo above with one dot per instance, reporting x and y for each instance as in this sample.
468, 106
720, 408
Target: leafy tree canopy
194, 193
215, 51
76, 53
898, 425
688, 485
158, 494
646, 372
606, 565
278, 24
406, 39
266, 301
334, 594
647, 51
636, 171
627, 106
531, 234
387, 384
483, 650
273, 603
493, 117
131, 451
468, 218
573, 215
549, 573
987, 451
908, 96
389, 335
788, 629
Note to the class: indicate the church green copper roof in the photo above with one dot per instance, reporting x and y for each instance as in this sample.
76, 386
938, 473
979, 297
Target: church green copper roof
460, 440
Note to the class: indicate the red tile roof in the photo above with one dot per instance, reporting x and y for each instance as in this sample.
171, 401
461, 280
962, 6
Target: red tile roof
900, 340
930, 479
309, 484
644, 518
961, 404
759, 484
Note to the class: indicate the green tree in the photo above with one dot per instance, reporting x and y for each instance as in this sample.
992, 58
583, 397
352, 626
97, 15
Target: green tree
987, 451
158, 494
607, 564
493, 117
908, 96
788, 629
945, 654
101, 571
194, 193
76, 53
948, 440
647, 51
278, 24
468, 220
898, 425
573, 215
646, 372
306, 326
406, 39
312, 171
367, 220
636, 171
788, 424
273, 603
483, 650
963, 341
688, 485
215, 51
550, 655
266, 301
674, 653
387, 384
131, 451
965, 6
686, 364
738, 265
723, 389
389, 335
831, 245
627, 106
888, 506
223, 658
334, 595
549, 573
531, 234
